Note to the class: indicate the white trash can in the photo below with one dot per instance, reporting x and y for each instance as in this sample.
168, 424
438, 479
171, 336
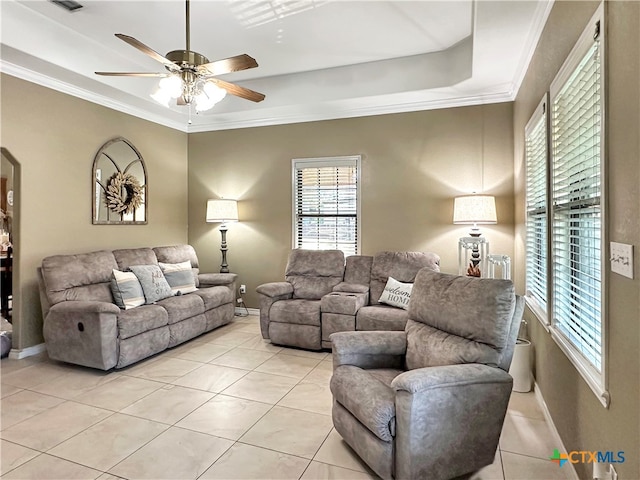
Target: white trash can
521, 366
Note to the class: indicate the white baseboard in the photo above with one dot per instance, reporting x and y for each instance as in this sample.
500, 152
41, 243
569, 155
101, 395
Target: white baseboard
27, 352
554, 431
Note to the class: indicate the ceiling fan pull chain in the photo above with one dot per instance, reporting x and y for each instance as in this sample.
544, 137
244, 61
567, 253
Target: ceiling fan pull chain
189, 113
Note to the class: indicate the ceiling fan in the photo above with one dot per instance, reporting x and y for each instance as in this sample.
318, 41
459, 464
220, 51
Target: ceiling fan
191, 77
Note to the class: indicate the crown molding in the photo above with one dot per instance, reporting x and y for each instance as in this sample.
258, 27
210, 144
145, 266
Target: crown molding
64, 87
341, 111
541, 16
313, 113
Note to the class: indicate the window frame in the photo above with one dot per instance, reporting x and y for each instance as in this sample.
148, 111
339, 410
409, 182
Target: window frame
541, 114
597, 380
319, 162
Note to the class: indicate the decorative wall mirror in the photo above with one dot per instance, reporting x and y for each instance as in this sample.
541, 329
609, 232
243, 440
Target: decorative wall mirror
119, 185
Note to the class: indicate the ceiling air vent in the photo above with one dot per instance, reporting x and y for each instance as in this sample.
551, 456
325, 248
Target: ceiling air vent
69, 5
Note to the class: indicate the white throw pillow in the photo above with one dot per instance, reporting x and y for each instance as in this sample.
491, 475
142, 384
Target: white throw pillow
126, 289
179, 276
396, 294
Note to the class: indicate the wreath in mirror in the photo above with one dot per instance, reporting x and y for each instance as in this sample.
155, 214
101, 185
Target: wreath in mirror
120, 189
124, 193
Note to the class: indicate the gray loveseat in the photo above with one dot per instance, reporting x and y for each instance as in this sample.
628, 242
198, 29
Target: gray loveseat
83, 325
325, 293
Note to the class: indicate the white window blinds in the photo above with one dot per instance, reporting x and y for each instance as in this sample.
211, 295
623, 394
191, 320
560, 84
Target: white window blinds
576, 193
576, 132
536, 152
326, 208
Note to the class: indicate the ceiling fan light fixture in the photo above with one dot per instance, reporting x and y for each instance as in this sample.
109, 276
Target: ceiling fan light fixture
161, 96
169, 88
209, 95
189, 78
172, 85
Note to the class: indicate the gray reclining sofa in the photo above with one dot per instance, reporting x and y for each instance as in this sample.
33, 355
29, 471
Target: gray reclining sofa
83, 325
325, 293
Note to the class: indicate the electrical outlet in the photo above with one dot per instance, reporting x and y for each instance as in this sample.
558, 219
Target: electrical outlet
243, 289
612, 472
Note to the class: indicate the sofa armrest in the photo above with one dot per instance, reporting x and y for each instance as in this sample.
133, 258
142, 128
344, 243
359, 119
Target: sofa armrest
270, 293
275, 289
83, 332
369, 349
344, 303
437, 407
422, 379
351, 288
215, 279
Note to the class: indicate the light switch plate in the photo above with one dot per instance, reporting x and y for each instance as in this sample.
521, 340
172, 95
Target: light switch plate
622, 259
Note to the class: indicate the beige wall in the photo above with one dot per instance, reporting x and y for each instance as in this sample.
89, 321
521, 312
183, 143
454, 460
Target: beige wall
55, 138
583, 423
413, 164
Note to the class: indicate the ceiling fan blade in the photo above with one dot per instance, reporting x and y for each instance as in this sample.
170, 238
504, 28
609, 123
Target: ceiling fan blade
228, 65
148, 51
132, 74
238, 91
180, 101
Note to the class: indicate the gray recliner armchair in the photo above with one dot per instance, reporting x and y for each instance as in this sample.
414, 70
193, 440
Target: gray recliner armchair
290, 310
429, 402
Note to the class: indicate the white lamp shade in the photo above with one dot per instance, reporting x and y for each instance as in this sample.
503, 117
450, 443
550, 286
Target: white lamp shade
222, 211
474, 209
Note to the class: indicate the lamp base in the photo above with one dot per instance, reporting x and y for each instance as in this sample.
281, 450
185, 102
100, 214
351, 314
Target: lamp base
224, 267
472, 256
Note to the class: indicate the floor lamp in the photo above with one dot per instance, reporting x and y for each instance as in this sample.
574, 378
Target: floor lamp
222, 211
473, 251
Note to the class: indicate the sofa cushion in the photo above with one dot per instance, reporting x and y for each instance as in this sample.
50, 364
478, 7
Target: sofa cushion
314, 273
396, 294
480, 309
178, 254
456, 319
154, 285
126, 289
214, 296
430, 347
381, 317
134, 256
403, 266
357, 269
298, 311
181, 307
179, 276
142, 319
367, 398
85, 276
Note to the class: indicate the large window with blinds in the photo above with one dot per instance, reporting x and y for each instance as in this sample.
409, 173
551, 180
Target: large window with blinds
576, 132
536, 163
326, 203
576, 191
564, 145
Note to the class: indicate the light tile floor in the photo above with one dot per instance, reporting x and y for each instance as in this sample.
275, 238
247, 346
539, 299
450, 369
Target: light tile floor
227, 405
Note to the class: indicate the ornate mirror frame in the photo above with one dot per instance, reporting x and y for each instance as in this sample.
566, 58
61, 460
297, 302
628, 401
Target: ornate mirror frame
119, 180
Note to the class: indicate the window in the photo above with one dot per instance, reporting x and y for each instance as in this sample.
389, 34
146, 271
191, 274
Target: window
536, 161
564, 208
326, 203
